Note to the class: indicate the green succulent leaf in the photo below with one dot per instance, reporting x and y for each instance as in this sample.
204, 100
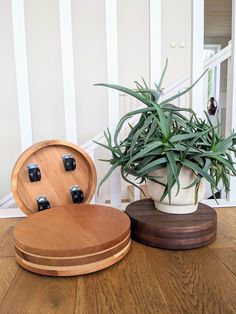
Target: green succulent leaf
162, 135
173, 167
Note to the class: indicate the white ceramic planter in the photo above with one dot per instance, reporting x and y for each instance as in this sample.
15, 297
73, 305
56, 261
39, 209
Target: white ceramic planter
183, 203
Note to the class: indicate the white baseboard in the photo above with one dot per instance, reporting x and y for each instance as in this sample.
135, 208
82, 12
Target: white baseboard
11, 213
222, 203
17, 213
7, 201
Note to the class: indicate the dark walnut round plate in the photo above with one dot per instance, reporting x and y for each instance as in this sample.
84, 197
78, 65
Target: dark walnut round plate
168, 231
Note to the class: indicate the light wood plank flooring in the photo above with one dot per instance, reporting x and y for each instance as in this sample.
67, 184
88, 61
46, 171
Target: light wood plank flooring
147, 280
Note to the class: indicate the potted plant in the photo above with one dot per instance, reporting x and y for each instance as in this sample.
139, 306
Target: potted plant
171, 149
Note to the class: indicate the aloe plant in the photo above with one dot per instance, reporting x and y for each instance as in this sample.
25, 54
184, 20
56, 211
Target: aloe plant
164, 137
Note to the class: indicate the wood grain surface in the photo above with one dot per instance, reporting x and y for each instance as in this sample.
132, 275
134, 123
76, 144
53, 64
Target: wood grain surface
74, 270
72, 230
74, 260
55, 182
147, 280
8, 269
155, 228
30, 294
6, 240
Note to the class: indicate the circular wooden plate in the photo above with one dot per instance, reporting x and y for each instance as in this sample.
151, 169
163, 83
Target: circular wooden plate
55, 182
74, 260
72, 241
73, 230
168, 231
79, 269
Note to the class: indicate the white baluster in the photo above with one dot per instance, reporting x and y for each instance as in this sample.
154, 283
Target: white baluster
137, 193
155, 40
92, 156
22, 79
197, 58
113, 97
68, 70
231, 105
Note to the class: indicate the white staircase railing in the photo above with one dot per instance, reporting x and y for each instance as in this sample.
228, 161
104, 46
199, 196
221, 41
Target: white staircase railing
7, 201
210, 63
178, 86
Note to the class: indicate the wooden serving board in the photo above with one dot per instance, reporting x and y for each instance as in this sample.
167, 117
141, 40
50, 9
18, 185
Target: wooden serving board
168, 231
55, 182
73, 240
72, 270
72, 230
68, 238
74, 260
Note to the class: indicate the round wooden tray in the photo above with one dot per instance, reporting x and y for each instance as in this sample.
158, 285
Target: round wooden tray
168, 231
68, 238
55, 182
72, 270
73, 240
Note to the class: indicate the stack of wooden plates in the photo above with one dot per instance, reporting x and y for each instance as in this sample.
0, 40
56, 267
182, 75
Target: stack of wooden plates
73, 240
172, 231
69, 238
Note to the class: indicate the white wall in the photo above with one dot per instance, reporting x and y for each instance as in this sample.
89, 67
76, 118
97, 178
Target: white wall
133, 41
89, 37
9, 123
45, 69
133, 47
89, 47
176, 29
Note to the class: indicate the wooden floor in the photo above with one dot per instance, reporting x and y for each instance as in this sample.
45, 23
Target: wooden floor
147, 280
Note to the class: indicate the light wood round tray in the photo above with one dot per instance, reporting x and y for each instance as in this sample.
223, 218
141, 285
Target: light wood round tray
67, 239
72, 270
73, 240
55, 182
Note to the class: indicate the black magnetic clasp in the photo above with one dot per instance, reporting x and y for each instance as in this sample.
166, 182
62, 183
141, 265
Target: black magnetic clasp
69, 162
76, 194
43, 203
34, 172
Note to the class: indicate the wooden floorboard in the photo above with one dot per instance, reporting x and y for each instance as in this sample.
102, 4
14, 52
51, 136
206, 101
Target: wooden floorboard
226, 228
30, 293
127, 287
6, 238
147, 280
228, 257
194, 281
8, 270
